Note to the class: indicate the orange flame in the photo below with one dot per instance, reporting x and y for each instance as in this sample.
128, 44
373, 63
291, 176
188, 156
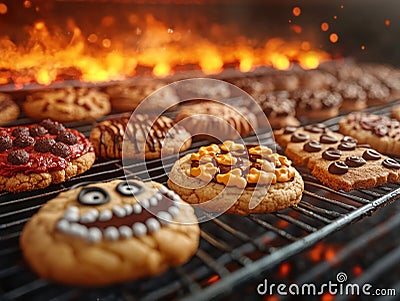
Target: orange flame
48, 55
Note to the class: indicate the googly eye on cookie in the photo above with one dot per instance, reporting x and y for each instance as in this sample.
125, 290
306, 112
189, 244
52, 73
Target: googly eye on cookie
110, 232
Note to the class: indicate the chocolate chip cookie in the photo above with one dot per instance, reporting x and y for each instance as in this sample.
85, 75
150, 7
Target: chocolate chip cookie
67, 104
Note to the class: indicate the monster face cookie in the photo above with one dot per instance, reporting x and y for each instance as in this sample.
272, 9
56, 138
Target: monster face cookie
237, 178
145, 137
37, 155
110, 232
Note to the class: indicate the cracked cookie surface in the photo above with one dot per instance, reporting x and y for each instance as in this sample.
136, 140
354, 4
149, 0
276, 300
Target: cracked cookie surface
110, 232
241, 180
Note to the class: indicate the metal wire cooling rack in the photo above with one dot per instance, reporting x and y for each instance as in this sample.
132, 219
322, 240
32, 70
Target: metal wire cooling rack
232, 250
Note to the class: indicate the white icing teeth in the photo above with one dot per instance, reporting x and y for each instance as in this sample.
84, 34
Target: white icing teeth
145, 203
158, 196
164, 217
63, 225
105, 215
163, 190
153, 201
78, 230
118, 211
128, 209
174, 211
152, 224
125, 232
71, 215
73, 223
137, 208
139, 229
111, 233
94, 234
90, 216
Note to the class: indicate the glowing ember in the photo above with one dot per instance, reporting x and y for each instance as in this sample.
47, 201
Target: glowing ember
324, 26
3, 9
357, 270
333, 37
296, 11
50, 55
387, 22
284, 269
327, 297
212, 279
363, 47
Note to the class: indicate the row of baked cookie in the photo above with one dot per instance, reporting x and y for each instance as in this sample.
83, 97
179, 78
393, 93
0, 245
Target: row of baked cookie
122, 230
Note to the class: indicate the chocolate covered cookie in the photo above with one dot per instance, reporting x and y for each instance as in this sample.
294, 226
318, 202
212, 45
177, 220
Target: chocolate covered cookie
110, 232
317, 104
381, 132
279, 109
236, 178
145, 136
67, 104
37, 155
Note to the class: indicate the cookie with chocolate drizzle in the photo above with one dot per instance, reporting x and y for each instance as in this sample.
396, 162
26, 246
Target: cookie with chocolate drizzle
236, 178
138, 137
110, 232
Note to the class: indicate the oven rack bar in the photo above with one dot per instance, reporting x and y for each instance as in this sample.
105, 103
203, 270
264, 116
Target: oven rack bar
232, 248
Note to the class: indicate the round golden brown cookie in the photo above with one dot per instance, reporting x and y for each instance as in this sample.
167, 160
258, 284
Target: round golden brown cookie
396, 112
241, 180
218, 120
37, 155
145, 137
9, 110
110, 232
67, 104
127, 97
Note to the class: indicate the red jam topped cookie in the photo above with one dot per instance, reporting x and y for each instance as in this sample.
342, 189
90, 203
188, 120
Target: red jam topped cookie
37, 148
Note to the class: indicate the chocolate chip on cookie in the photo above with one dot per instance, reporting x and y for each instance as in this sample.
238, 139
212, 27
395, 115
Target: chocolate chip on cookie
67, 138
5, 143
53, 127
20, 131
44, 145
18, 157
61, 149
23, 141
37, 131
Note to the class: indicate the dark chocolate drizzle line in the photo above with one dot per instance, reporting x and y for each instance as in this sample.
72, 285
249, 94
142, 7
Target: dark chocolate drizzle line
154, 133
115, 130
133, 218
